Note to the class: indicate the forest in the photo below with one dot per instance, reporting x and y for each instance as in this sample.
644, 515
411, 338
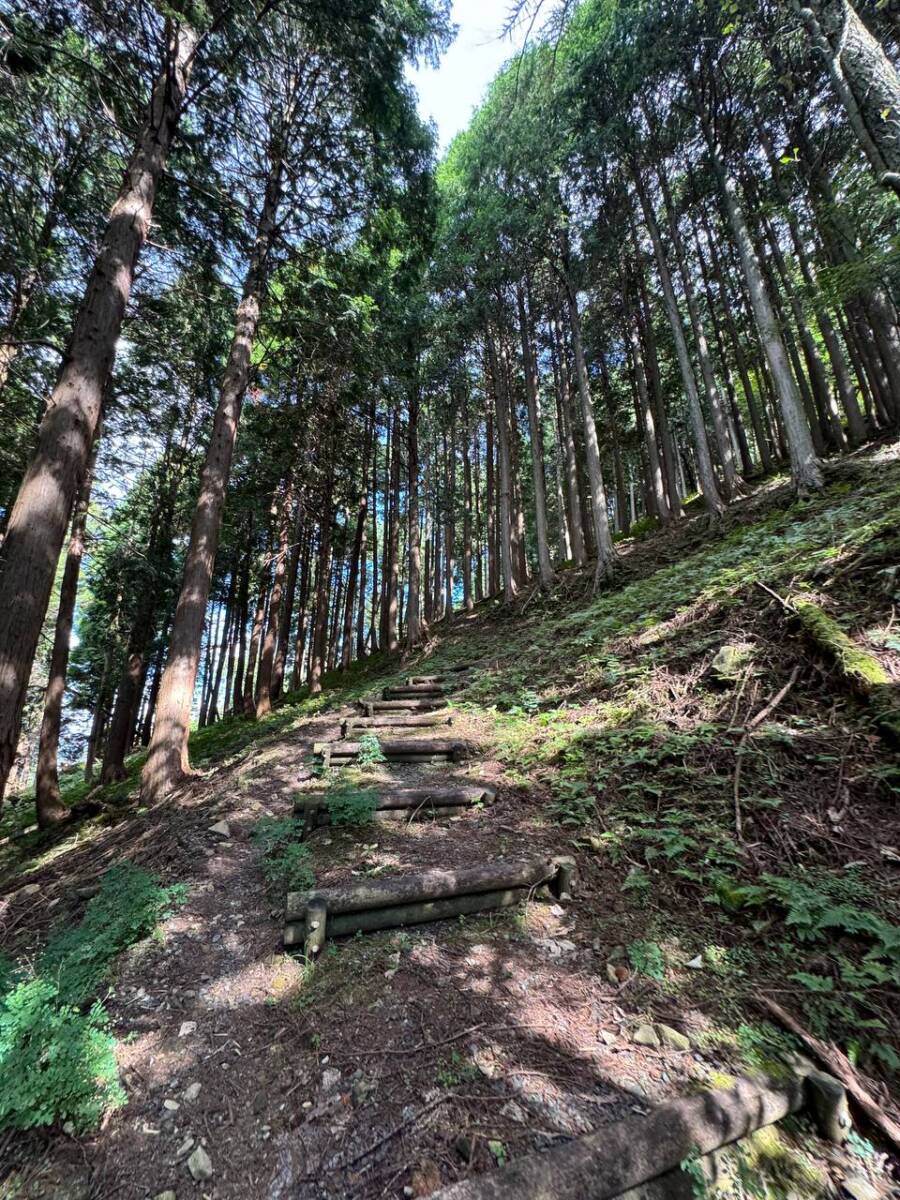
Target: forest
592, 419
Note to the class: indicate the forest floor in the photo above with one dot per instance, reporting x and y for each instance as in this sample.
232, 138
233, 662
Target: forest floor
612, 727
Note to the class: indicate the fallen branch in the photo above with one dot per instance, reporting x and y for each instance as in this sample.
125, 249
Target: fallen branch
840, 1066
756, 721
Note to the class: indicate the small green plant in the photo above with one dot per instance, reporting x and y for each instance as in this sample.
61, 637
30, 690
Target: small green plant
370, 752
284, 858
498, 1152
350, 805
647, 959
57, 1063
128, 907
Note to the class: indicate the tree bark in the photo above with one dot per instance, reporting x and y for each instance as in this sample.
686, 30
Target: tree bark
806, 471
414, 629
264, 681
864, 79
510, 587
50, 808
715, 506
168, 761
37, 525
542, 528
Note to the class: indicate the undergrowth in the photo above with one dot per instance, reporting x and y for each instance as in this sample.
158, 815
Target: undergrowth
57, 1058
283, 857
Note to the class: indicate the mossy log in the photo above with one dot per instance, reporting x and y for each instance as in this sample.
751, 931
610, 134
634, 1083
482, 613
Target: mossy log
631, 1154
861, 671
420, 720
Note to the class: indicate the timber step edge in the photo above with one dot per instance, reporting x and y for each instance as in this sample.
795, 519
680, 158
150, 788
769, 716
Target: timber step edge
432, 894
400, 804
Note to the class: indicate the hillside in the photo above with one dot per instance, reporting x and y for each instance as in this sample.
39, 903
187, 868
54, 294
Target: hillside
721, 766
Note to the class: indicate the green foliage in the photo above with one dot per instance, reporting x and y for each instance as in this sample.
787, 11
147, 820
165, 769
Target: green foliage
370, 752
350, 805
57, 1059
647, 959
284, 858
57, 1062
129, 905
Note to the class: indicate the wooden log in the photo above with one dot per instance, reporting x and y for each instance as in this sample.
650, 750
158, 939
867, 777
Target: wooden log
432, 883
840, 1066
629, 1153
399, 915
411, 798
408, 750
421, 692
431, 680
371, 708
396, 721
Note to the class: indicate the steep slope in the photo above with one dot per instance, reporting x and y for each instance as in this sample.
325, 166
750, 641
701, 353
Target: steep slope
730, 797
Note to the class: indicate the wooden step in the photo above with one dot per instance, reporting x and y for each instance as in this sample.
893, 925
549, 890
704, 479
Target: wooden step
400, 804
411, 750
372, 707
415, 720
419, 691
363, 905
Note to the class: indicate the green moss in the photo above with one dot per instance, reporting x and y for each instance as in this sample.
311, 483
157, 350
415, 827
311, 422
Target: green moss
862, 670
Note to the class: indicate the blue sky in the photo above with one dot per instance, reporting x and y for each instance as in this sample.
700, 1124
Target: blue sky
450, 94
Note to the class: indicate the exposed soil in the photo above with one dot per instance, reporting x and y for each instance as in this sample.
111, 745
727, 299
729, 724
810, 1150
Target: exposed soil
405, 1060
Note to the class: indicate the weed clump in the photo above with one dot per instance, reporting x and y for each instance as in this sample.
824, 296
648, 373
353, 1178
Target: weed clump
284, 858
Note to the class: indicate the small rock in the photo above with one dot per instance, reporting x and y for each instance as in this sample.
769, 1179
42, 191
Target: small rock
191, 1092
330, 1079
672, 1038
732, 661
187, 1028
557, 910
608, 1037
361, 1089
200, 1165
464, 1147
30, 889
168, 1194
185, 1147
645, 1035
514, 1112
696, 964
859, 1187
222, 828
171, 1106
617, 972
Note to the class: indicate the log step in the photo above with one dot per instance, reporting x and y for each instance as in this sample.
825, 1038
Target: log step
372, 707
430, 895
400, 804
412, 750
419, 691
395, 721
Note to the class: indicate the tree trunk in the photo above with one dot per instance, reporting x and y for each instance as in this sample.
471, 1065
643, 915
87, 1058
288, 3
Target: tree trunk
468, 602
713, 500
864, 79
392, 567
167, 761
564, 401
450, 519
507, 564
490, 488
414, 629
606, 552
806, 471
50, 808
323, 575
243, 614
40, 516
542, 528
256, 632
267, 661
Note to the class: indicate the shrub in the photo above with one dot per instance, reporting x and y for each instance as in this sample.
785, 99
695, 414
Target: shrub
57, 1063
370, 751
284, 858
349, 805
128, 906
